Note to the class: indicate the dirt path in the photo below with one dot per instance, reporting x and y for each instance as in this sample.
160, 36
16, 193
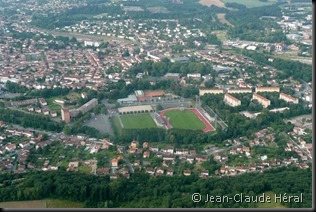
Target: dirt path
222, 19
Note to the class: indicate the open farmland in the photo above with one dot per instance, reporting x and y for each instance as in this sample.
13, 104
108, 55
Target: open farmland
209, 3
138, 121
251, 3
48, 203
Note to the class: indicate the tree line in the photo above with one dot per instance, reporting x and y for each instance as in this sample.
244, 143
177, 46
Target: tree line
144, 191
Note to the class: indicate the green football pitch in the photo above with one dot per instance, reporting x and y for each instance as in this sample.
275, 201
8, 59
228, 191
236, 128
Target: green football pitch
184, 120
138, 121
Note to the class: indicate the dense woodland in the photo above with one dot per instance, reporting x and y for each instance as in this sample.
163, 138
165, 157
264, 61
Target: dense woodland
29, 120
249, 26
144, 191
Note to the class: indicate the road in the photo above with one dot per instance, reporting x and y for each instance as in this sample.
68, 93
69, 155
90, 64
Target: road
18, 155
130, 168
49, 133
214, 149
306, 88
298, 146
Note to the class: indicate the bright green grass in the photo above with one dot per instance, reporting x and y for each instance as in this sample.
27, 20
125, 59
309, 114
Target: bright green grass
138, 121
116, 125
272, 203
184, 120
251, 3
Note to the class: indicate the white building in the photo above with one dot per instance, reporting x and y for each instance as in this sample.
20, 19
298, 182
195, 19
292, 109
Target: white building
231, 100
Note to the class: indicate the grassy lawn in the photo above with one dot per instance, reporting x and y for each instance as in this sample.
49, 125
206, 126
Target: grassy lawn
138, 121
251, 3
84, 169
184, 120
272, 203
116, 125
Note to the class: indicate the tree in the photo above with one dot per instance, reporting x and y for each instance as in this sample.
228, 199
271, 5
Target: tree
67, 130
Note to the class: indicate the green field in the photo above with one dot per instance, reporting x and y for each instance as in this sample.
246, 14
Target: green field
184, 120
251, 3
272, 203
49, 203
138, 121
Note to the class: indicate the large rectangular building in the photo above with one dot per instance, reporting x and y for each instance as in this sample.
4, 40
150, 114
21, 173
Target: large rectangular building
231, 100
135, 109
288, 98
88, 106
267, 89
211, 91
240, 90
23, 102
84, 108
65, 115
262, 100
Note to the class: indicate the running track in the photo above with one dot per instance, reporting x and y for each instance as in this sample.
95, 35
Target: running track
208, 127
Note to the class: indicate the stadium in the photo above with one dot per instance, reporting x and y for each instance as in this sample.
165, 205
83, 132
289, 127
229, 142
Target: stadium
145, 116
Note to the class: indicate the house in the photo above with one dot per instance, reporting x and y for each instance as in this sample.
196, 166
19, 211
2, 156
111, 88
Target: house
114, 162
145, 145
241, 169
223, 170
2, 124
217, 157
74, 164
154, 148
146, 154
246, 149
168, 157
181, 152
166, 163
233, 152
182, 157
38, 110
160, 171
131, 150
134, 144
42, 101
53, 113
187, 172
10, 147
201, 158
204, 173
169, 172
30, 108
84, 95
136, 163
150, 171
46, 112
168, 150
